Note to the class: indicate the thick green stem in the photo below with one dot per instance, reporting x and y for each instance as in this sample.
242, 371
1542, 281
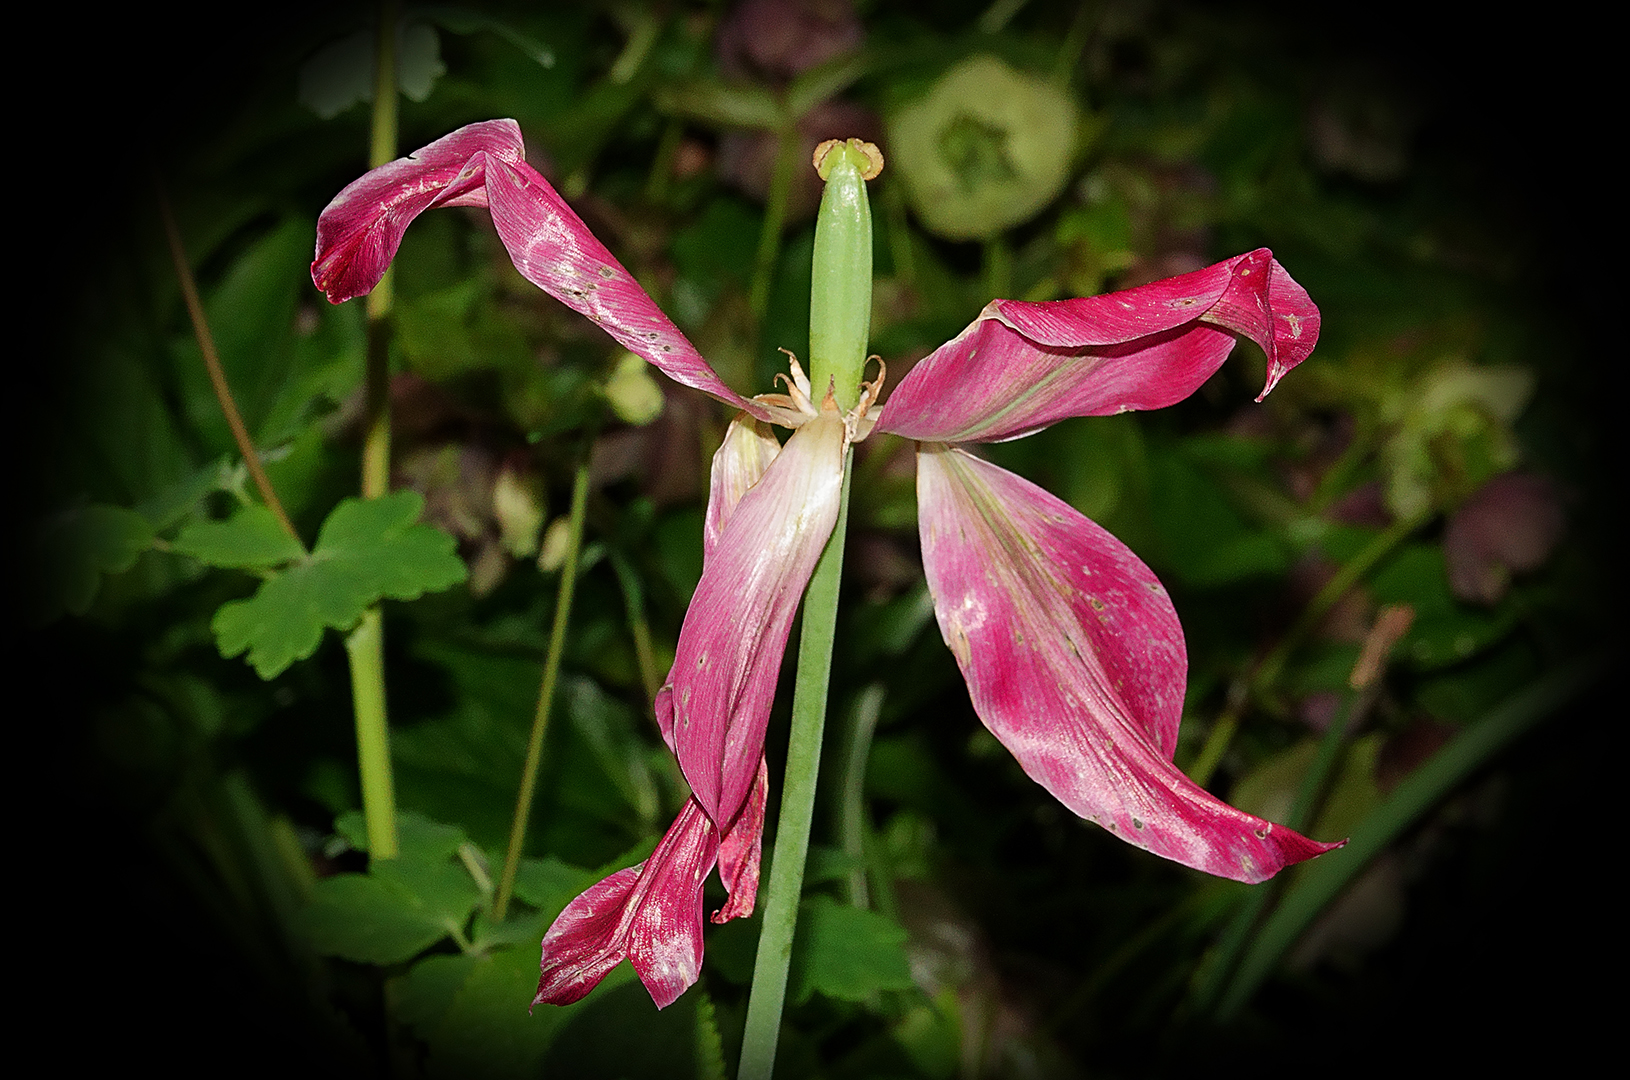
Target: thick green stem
366, 648
840, 318
366, 644
546, 691
797, 807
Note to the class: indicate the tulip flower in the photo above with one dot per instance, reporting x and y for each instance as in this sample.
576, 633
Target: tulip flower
1070, 646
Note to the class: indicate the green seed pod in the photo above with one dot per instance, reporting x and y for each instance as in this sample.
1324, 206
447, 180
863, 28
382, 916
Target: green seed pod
985, 149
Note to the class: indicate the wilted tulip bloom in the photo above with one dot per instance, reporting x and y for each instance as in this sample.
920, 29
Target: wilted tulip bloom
1070, 646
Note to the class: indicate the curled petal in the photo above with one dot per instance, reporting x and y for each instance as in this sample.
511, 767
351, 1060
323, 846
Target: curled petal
650, 914
1074, 659
360, 230
742, 849
484, 165
731, 643
1022, 366
748, 448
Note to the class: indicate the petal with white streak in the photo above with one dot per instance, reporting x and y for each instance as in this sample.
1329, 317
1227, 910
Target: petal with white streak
730, 646
1074, 660
1022, 366
650, 914
484, 164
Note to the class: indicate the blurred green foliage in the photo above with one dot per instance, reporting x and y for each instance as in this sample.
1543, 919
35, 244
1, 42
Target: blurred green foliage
997, 935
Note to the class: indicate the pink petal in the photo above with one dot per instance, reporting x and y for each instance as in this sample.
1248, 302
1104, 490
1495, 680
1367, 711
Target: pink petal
741, 851
1022, 366
650, 914
1074, 659
741, 460
484, 165
730, 645
360, 230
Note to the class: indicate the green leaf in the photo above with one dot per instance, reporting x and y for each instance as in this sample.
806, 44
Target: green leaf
489, 1028
370, 920
366, 551
250, 539
82, 546
846, 953
402, 906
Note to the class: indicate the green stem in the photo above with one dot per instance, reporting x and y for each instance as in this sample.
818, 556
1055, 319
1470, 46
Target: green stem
1324, 880
797, 806
851, 817
775, 221
365, 645
638, 627
546, 691
1337, 587
840, 319
217, 374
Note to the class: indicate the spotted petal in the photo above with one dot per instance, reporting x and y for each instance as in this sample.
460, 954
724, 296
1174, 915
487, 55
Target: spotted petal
1022, 366
1074, 659
735, 632
484, 164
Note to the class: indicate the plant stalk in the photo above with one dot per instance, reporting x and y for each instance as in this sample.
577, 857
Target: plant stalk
840, 319
816, 638
366, 644
546, 691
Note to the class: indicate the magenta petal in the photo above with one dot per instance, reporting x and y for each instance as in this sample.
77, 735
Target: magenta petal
484, 164
730, 645
554, 250
360, 230
650, 914
741, 460
742, 849
1022, 366
1074, 659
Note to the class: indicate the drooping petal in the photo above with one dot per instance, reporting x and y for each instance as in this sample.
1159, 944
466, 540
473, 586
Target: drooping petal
742, 849
360, 231
484, 164
1022, 366
1074, 659
650, 914
731, 643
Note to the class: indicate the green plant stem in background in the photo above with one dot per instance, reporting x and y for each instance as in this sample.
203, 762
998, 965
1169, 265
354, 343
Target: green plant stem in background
639, 628
217, 375
775, 221
366, 644
546, 690
1442, 773
1349, 575
852, 827
840, 318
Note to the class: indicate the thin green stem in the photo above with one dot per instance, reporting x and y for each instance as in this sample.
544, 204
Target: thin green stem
775, 221
1268, 672
840, 304
365, 645
1442, 773
212, 362
638, 627
851, 816
546, 691
786, 885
